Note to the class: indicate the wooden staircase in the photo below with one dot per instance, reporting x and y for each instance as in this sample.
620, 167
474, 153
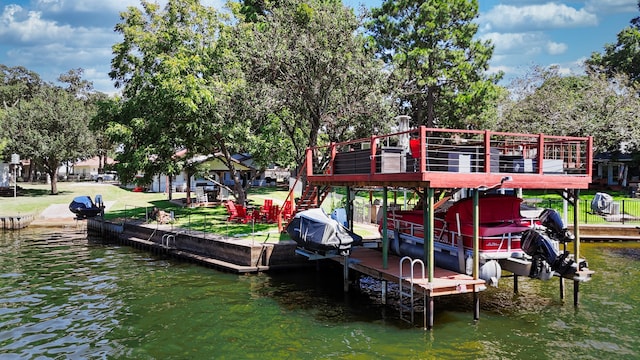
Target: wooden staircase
311, 198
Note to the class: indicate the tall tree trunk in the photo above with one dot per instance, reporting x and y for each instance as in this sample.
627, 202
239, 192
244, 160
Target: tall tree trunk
54, 181
431, 107
100, 164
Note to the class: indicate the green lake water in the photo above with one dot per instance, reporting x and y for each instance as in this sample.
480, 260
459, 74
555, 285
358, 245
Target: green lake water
65, 297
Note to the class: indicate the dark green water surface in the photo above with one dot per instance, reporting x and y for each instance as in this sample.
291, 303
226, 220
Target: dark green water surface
65, 297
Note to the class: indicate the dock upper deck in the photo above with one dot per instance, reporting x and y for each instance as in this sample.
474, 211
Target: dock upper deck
446, 158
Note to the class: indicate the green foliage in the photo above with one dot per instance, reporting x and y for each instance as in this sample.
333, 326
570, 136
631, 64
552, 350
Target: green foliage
587, 105
309, 68
438, 69
623, 57
17, 83
50, 128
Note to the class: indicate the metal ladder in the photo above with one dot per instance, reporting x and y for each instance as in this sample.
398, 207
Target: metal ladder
166, 239
406, 289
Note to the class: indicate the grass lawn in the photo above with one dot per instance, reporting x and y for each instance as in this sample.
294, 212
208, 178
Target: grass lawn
127, 205
34, 198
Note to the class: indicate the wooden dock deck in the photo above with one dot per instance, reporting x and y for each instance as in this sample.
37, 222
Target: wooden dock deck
445, 282
412, 278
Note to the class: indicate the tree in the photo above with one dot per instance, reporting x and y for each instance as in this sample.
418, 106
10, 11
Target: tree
311, 69
170, 64
107, 111
584, 105
621, 57
439, 71
17, 83
52, 127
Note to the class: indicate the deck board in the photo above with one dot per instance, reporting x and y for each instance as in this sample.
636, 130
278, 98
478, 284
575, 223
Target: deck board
445, 282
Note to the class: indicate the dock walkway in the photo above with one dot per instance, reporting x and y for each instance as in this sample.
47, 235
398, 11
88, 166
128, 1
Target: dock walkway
445, 282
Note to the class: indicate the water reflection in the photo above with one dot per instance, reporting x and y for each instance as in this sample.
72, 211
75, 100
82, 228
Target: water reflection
62, 296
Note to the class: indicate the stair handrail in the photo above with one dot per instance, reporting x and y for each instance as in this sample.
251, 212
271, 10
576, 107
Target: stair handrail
289, 197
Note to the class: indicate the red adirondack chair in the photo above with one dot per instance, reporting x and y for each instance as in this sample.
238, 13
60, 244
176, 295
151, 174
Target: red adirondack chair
287, 211
237, 212
272, 216
265, 210
243, 215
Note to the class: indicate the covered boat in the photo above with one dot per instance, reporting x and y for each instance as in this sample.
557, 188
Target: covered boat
500, 234
84, 207
314, 230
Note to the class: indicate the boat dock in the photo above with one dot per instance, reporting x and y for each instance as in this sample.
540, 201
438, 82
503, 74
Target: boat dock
432, 162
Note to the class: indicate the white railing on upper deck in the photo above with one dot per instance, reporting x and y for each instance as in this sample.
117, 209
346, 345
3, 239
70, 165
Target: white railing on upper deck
466, 151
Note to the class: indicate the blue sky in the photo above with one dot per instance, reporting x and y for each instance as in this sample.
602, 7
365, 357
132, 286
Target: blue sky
54, 36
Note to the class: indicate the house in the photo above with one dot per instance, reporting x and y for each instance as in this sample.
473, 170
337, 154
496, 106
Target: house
615, 170
218, 173
84, 169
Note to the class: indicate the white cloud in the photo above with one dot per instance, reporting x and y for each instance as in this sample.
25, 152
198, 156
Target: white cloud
554, 48
19, 25
516, 43
535, 17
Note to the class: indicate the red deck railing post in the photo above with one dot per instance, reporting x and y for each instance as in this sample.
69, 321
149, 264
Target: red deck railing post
423, 149
540, 153
309, 161
590, 157
333, 158
373, 155
487, 151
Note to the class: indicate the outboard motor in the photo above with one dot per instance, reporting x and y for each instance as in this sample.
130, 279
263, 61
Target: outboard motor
546, 257
552, 221
602, 203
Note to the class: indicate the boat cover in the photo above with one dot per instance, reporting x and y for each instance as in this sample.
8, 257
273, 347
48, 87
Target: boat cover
315, 231
84, 207
498, 214
82, 202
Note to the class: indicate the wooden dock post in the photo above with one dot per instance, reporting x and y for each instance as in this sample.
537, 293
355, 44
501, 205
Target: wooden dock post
345, 274
385, 236
428, 307
383, 288
576, 243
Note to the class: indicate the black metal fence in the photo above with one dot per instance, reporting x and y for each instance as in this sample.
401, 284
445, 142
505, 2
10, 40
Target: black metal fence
618, 212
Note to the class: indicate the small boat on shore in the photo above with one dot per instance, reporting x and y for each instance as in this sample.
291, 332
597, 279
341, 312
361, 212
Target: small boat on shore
313, 230
85, 208
507, 240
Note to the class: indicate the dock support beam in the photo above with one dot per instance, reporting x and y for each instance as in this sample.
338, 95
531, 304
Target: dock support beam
383, 288
476, 304
428, 220
576, 243
428, 307
345, 274
476, 252
385, 226
349, 209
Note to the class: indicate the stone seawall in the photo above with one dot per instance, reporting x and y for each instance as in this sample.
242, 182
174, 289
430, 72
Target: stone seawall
232, 254
15, 222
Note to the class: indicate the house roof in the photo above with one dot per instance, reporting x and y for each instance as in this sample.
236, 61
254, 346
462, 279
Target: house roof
612, 157
95, 161
213, 162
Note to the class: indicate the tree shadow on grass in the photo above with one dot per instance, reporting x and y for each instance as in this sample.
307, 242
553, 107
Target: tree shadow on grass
40, 192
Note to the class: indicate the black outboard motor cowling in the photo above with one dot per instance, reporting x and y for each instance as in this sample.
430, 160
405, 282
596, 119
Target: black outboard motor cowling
552, 221
545, 256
